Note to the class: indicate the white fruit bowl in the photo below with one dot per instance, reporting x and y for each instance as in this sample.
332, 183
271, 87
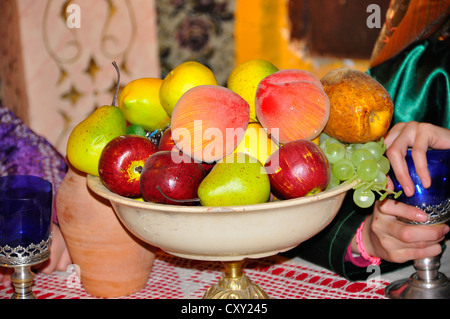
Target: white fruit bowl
228, 233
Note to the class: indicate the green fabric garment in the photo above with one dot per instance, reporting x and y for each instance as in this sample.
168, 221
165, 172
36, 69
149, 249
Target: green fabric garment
418, 81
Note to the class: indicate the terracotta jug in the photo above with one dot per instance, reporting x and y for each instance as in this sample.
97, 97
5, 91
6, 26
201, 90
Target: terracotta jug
112, 261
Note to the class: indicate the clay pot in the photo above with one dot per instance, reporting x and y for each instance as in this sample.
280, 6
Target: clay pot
112, 261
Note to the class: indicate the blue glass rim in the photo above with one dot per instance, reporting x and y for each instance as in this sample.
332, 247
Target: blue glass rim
34, 184
430, 151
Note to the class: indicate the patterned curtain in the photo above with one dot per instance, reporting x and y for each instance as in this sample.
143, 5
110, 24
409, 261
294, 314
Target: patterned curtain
200, 31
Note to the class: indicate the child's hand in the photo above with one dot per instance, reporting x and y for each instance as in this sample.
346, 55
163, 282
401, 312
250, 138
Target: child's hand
419, 136
388, 238
5, 276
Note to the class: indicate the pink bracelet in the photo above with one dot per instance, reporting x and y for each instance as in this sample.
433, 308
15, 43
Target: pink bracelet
356, 260
374, 260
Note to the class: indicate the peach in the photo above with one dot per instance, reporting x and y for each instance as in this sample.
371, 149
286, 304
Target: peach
294, 103
208, 122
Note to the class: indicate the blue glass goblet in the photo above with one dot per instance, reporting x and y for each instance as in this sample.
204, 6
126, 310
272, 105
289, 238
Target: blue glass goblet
25, 219
427, 282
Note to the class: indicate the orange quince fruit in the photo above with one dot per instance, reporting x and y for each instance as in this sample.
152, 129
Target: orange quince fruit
361, 109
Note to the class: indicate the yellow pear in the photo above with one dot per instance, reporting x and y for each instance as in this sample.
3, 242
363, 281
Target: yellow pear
256, 143
139, 101
182, 78
90, 136
244, 80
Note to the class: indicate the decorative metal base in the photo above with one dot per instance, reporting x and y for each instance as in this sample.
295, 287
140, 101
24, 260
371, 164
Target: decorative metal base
22, 259
426, 283
31, 255
234, 284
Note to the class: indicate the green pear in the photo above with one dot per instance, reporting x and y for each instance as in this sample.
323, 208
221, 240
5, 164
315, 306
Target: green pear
90, 136
238, 179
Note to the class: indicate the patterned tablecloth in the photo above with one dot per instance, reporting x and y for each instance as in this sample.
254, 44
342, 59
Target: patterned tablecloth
178, 278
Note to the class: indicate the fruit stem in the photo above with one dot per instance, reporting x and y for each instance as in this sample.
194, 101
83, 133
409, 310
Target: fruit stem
118, 83
177, 200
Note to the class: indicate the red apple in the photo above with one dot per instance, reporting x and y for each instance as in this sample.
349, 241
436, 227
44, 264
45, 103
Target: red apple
166, 142
208, 166
292, 104
298, 168
121, 163
171, 175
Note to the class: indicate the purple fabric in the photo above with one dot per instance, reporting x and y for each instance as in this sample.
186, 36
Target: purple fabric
23, 152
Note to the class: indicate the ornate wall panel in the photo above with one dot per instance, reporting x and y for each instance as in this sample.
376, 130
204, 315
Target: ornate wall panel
68, 47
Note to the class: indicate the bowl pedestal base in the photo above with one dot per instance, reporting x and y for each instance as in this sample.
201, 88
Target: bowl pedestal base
235, 284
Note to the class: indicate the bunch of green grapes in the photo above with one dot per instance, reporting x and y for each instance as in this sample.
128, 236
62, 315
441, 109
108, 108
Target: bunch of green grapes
365, 162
